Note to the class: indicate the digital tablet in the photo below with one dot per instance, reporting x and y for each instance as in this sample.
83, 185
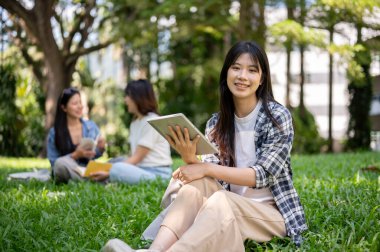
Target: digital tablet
161, 124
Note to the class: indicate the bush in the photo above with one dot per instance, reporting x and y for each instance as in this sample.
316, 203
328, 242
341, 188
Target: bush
11, 124
117, 144
306, 135
21, 119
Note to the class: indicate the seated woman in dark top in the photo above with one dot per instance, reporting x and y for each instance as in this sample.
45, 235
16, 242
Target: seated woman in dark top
67, 157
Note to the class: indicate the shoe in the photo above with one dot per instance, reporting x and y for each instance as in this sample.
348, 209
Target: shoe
116, 245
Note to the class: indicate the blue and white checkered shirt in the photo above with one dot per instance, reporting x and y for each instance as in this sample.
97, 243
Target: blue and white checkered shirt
272, 167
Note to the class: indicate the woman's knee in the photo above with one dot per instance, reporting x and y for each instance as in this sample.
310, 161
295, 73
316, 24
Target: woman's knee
118, 168
220, 195
218, 199
60, 166
61, 170
200, 188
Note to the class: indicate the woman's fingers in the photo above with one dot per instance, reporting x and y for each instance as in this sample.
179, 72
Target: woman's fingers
196, 139
179, 134
173, 135
187, 135
175, 174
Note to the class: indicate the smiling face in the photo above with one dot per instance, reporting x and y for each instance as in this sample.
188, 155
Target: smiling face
243, 78
74, 107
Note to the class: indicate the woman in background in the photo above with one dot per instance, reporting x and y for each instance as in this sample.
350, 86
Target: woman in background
150, 153
67, 156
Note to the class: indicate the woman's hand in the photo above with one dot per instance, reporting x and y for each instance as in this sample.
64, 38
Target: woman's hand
180, 141
191, 172
99, 176
83, 153
101, 145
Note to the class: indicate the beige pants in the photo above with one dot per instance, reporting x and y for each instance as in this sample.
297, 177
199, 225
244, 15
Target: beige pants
66, 168
205, 217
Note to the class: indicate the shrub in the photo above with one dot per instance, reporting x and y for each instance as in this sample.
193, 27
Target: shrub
306, 135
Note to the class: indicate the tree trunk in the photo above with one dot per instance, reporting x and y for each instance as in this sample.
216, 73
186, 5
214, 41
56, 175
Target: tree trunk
302, 59
259, 22
59, 77
252, 21
245, 19
331, 62
290, 5
359, 125
302, 82
288, 77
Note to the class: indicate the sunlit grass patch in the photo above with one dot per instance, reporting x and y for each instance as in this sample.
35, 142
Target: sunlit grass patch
341, 201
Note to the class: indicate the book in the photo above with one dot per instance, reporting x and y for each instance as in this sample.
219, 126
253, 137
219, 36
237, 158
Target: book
161, 124
94, 166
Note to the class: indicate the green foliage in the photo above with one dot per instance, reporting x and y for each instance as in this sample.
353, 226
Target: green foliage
195, 87
340, 199
306, 135
30, 101
187, 34
117, 144
21, 124
290, 30
360, 95
109, 112
10, 124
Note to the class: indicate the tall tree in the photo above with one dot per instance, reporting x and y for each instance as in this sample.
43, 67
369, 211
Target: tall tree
328, 17
290, 6
361, 14
251, 24
60, 32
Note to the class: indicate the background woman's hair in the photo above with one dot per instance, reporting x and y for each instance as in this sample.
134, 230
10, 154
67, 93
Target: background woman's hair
62, 134
141, 92
224, 131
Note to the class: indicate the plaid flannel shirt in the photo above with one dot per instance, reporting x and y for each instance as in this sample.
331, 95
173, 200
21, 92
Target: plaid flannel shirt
272, 167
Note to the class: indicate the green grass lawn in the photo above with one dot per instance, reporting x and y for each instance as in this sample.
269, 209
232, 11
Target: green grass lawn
342, 205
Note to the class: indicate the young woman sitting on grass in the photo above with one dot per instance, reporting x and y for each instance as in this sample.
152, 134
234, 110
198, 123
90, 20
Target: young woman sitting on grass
150, 153
67, 157
246, 190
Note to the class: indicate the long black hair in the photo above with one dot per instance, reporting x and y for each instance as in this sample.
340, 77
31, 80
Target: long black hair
141, 92
62, 135
224, 131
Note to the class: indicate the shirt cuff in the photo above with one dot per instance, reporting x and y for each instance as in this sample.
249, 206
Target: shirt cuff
260, 176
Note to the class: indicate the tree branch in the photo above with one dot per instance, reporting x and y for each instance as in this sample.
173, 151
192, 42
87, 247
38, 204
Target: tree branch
15, 8
69, 39
36, 65
60, 23
88, 21
85, 51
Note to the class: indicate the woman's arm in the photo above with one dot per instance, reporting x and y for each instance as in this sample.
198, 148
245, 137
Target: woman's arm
275, 150
195, 169
139, 154
237, 176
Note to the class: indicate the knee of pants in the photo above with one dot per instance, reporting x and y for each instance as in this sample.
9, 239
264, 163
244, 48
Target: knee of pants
197, 189
218, 200
60, 166
217, 207
118, 168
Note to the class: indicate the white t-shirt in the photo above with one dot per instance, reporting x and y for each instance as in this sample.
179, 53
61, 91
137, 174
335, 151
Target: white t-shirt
142, 133
245, 155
